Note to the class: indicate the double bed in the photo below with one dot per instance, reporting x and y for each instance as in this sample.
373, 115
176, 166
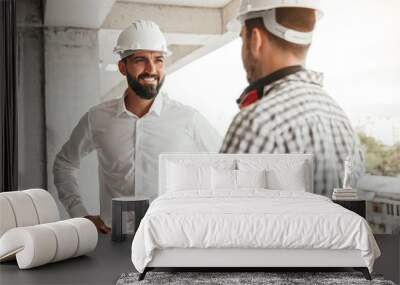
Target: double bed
242, 211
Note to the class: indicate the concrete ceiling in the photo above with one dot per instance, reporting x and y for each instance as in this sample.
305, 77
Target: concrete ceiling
76, 13
187, 3
193, 28
92, 13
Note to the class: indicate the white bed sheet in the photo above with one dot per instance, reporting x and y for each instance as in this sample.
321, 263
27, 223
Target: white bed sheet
252, 218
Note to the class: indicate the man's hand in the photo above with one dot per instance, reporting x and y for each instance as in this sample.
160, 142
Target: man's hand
100, 225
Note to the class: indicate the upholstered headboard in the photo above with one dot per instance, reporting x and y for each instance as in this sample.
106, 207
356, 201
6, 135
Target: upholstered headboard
280, 163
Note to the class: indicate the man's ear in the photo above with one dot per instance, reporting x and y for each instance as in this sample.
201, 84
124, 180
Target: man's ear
122, 67
256, 40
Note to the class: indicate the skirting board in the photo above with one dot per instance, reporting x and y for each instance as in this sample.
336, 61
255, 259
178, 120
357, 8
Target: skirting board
177, 257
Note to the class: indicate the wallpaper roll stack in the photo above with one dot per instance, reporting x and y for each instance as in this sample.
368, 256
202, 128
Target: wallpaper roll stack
45, 206
26, 208
7, 218
344, 194
31, 233
41, 244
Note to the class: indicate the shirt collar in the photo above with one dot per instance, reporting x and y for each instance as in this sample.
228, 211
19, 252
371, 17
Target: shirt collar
303, 75
256, 89
272, 78
155, 108
121, 108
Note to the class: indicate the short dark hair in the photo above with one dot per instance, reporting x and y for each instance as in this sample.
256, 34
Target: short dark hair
299, 19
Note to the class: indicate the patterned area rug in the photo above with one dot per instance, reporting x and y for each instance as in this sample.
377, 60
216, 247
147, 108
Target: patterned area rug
243, 278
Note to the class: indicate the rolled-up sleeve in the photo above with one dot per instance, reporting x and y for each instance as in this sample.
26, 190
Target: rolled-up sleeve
67, 164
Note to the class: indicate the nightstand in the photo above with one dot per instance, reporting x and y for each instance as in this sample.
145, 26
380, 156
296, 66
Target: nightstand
356, 206
388, 263
137, 204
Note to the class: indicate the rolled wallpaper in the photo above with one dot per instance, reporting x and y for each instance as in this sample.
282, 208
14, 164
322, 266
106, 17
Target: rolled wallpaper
26, 208
31, 233
41, 244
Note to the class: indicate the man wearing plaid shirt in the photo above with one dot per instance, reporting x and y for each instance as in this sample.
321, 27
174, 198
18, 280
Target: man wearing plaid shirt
285, 109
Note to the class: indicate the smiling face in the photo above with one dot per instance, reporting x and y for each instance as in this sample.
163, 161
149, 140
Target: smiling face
145, 72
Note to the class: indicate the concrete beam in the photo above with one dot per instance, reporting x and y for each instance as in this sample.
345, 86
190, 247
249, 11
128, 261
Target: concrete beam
229, 13
171, 19
187, 3
189, 39
179, 52
116, 91
185, 55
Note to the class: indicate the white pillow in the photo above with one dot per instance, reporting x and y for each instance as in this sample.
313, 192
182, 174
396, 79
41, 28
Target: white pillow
282, 174
223, 179
188, 177
293, 180
226, 179
251, 178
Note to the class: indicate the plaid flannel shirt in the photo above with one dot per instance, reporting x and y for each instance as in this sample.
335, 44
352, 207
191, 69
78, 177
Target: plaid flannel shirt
296, 115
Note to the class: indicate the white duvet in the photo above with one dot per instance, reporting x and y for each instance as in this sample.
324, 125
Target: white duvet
250, 219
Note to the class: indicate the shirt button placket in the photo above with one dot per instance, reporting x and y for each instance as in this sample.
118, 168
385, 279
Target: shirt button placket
138, 134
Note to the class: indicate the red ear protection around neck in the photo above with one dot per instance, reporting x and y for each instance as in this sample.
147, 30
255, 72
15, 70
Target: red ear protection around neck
255, 91
247, 99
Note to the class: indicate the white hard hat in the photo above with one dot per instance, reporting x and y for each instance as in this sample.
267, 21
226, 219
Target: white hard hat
141, 35
266, 9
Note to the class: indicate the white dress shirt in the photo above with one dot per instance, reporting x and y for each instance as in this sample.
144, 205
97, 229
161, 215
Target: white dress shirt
127, 149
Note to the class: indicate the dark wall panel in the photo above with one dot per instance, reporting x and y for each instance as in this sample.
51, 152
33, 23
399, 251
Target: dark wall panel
8, 98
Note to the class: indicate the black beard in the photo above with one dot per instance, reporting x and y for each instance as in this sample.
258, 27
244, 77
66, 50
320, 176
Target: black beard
145, 92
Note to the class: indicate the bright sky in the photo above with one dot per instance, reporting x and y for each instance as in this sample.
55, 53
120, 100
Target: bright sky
357, 47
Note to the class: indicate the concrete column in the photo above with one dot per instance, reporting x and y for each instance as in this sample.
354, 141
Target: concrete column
30, 96
72, 87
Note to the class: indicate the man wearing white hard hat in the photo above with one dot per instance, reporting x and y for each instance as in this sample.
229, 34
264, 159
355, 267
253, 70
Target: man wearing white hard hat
285, 109
130, 132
